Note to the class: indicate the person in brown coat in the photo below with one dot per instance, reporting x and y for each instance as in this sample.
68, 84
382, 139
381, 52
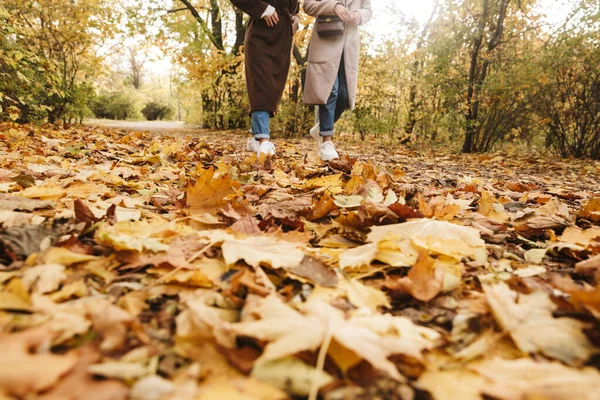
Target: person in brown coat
332, 71
267, 55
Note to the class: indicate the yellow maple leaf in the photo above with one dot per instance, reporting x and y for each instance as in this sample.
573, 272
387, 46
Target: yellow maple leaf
209, 192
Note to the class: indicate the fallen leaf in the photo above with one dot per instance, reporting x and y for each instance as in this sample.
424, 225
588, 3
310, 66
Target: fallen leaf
291, 375
44, 278
321, 209
209, 192
528, 320
591, 209
348, 201
488, 207
527, 379
589, 267
262, 250
63, 256
437, 237
79, 384
439, 208
9, 219
452, 384
358, 257
316, 271
11, 202
119, 370
581, 237
423, 281
151, 387
329, 183
24, 370
361, 295
372, 337
535, 256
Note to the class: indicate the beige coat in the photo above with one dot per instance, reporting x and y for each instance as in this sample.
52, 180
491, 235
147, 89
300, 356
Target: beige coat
325, 53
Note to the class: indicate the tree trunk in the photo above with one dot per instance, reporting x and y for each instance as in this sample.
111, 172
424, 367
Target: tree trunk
240, 32
216, 23
477, 75
415, 70
471, 117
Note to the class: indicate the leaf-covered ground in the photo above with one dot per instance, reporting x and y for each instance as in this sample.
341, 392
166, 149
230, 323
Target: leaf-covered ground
145, 266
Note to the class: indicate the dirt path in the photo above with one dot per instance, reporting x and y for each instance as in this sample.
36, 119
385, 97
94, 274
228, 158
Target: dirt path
154, 126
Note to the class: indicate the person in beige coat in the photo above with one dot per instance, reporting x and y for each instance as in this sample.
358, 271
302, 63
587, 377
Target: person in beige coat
332, 72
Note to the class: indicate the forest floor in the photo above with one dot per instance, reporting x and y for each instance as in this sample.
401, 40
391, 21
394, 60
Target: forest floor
179, 266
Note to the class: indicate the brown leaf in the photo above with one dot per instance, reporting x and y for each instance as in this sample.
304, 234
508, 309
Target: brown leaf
589, 298
521, 187
315, 270
247, 279
321, 209
527, 379
437, 208
344, 163
79, 384
83, 213
589, 267
529, 321
422, 281
24, 370
404, 212
11, 202
247, 225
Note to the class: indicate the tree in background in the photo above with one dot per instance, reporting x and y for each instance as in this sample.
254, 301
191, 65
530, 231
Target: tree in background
51, 54
136, 58
567, 99
206, 38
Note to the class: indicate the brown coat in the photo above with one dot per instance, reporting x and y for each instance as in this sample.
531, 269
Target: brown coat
267, 52
325, 53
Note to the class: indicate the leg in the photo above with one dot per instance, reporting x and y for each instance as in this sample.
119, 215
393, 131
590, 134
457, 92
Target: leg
260, 125
327, 112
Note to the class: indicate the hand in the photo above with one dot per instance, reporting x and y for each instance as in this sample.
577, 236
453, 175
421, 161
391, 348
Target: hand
341, 12
272, 20
295, 24
355, 18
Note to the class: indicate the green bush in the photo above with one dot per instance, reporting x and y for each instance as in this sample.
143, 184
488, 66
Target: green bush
158, 111
119, 105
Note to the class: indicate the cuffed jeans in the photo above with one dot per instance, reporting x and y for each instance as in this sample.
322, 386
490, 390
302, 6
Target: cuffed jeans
260, 124
337, 102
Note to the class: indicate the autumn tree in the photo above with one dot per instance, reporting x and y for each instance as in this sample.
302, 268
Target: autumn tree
59, 42
567, 98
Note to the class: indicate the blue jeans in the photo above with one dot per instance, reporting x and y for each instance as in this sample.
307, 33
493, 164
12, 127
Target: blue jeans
337, 102
260, 124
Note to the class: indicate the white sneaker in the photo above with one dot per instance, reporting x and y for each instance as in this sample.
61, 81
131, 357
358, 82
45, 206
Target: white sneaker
315, 133
327, 151
266, 147
252, 145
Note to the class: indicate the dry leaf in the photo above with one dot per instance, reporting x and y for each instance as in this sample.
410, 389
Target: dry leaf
262, 250
372, 337
437, 237
209, 192
44, 278
527, 379
24, 370
591, 209
423, 281
79, 384
291, 375
528, 320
